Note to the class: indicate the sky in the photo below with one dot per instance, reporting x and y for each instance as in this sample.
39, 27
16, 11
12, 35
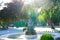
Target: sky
7, 1
27, 2
2, 3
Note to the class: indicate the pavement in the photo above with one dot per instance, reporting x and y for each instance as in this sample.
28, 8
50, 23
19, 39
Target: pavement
19, 30
15, 30
10, 31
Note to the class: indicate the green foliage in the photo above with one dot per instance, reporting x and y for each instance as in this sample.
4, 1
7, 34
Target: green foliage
24, 29
20, 23
11, 12
42, 18
47, 37
52, 13
56, 15
30, 12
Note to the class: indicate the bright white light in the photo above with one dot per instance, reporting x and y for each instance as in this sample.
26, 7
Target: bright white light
6, 1
1, 8
28, 1
2, 3
39, 10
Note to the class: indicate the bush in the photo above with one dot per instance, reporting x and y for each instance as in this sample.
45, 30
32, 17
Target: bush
24, 29
47, 37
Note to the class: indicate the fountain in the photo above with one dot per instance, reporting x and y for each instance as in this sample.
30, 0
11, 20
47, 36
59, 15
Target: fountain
30, 33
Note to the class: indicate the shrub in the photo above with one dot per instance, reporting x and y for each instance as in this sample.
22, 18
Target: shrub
47, 37
24, 29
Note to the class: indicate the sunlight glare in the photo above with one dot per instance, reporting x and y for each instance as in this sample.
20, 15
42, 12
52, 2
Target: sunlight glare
2, 2
28, 1
6, 1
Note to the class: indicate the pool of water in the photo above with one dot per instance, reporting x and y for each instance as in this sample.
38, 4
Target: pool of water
20, 36
17, 36
13, 34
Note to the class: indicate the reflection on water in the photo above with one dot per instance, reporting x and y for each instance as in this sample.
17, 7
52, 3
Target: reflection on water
18, 36
13, 36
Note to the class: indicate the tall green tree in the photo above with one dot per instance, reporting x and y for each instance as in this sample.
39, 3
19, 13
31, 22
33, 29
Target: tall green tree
11, 13
53, 13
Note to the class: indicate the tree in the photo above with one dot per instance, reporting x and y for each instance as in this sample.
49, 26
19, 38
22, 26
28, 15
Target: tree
52, 13
11, 13
56, 12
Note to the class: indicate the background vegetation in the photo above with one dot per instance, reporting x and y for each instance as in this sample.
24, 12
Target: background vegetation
18, 14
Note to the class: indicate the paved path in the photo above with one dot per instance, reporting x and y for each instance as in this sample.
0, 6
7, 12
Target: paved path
15, 30
11, 30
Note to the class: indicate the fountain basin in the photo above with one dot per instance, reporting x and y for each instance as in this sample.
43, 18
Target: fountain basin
31, 36
17, 34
